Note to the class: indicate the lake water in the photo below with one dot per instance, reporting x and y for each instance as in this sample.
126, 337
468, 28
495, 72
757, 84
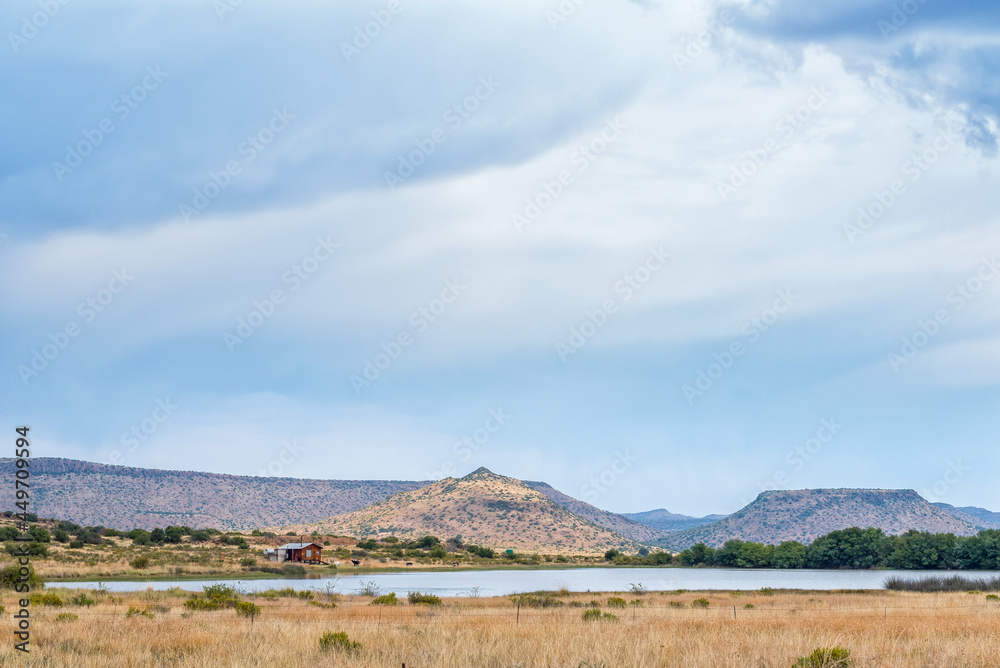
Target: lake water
501, 582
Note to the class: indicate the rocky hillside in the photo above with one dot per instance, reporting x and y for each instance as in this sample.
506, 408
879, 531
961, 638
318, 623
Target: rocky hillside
664, 520
618, 523
977, 517
127, 498
804, 514
483, 508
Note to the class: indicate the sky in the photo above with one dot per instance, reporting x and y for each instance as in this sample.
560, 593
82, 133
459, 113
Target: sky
658, 255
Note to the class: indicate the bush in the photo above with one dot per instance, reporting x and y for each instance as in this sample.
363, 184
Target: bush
748, 606
826, 657
293, 570
700, 603
200, 536
214, 597
10, 576
992, 597
611, 554
616, 602
75, 544
416, 598
426, 542
765, 591
542, 599
248, 562
484, 552
52, 600
34, 548
387, 599
287, 592
438, 552
83, 600
140, 562
368, 545
138, 612
676, 604
937, 583
595, 615
40, 534
337, 641
247, 609
67, 617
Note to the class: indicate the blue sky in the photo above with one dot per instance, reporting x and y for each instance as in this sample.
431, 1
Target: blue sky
655, 255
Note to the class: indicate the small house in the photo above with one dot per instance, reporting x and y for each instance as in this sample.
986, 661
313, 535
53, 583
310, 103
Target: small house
310, 553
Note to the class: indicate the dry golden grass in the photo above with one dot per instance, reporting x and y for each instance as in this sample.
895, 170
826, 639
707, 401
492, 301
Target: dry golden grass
926, 630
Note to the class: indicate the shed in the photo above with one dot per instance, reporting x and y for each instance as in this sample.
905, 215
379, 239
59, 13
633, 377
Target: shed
309, 553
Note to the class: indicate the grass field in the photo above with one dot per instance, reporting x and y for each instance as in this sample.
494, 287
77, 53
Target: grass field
665, 629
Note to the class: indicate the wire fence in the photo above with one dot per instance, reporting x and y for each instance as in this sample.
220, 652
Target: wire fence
358, 613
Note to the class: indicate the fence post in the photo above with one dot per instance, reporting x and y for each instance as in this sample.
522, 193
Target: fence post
734, 612
518, 619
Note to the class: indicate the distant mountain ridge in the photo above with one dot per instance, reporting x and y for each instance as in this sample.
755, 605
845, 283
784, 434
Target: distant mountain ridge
484, 509
125, 497
664, 520
977, 517
621, 524
802, 515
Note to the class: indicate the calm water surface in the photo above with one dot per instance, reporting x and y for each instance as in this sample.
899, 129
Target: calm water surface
499, 583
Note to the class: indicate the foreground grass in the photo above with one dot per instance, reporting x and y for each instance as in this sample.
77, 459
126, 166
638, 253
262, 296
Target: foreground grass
882, 629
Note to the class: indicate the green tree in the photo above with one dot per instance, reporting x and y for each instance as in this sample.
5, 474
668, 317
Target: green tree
40, 534
789, 554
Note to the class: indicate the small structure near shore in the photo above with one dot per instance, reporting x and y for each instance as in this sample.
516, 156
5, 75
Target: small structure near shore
309, 553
